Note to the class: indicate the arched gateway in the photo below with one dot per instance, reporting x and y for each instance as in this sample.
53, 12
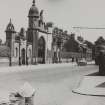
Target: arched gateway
23, 56
41, 50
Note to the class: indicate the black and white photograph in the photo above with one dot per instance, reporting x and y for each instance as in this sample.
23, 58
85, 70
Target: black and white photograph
52, 52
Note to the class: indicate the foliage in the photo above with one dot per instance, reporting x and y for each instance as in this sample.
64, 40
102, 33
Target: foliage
0, 41
89, 44
49, 24
100, 40
71, 45
65, 32
4, 51
80, 38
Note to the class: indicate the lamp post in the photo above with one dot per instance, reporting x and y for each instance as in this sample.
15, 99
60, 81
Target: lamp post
10, 63
19, 52
59, 48
26, 54
81, 51
10, 55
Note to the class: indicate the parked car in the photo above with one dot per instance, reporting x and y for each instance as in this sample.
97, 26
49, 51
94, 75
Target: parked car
82, 62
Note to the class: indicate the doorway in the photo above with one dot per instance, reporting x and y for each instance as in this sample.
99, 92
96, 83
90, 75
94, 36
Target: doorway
41, 50
23, 56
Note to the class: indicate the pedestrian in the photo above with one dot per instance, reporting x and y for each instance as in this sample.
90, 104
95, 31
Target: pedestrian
101, 59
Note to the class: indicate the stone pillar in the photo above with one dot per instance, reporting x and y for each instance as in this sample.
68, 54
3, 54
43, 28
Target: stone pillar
35, 47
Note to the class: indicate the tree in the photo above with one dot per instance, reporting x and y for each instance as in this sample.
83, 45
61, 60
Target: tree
80, 38
55, 30
49, 24
65, 32
71, 45
0, 41
72, 36
4, 51
89, 44
100, 40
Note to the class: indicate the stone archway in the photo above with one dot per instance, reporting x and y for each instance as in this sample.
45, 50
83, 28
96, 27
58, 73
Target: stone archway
41, 50
23, 56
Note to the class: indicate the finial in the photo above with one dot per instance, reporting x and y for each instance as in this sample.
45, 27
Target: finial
41, 13
10, 20
33, 2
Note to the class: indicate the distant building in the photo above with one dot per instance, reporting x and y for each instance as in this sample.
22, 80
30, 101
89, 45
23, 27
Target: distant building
76, 48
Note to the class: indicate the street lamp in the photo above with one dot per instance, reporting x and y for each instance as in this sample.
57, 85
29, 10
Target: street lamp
19, 51
59, 48
26, 54
10, 62
81, 51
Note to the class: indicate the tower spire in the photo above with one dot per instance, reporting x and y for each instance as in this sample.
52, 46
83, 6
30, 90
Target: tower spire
10, 20
33, 2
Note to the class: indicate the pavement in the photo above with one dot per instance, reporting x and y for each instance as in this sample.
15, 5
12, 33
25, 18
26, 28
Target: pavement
36, 67
53, 83
91, 85
23, 68
16, 70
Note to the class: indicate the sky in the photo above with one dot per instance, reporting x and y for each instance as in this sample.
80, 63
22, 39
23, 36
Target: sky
64, 14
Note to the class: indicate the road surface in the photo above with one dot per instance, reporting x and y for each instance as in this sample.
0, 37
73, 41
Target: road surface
53, 85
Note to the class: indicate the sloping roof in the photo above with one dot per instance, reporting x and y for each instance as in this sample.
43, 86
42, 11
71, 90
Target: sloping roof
82, 44
4, 51
26, 90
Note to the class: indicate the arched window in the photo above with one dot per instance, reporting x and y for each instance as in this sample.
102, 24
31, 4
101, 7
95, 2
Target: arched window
16, 52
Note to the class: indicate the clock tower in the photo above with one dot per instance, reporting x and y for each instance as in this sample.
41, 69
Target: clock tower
32, 35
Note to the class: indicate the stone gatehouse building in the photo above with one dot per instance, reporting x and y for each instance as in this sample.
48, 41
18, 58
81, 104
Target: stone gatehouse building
33, 45
40, 43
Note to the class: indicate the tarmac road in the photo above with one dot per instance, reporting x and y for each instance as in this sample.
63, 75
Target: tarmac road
53, 84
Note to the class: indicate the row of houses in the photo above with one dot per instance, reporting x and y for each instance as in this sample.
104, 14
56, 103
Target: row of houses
72, 47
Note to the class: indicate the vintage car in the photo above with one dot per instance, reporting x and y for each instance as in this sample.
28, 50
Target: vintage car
82, 62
